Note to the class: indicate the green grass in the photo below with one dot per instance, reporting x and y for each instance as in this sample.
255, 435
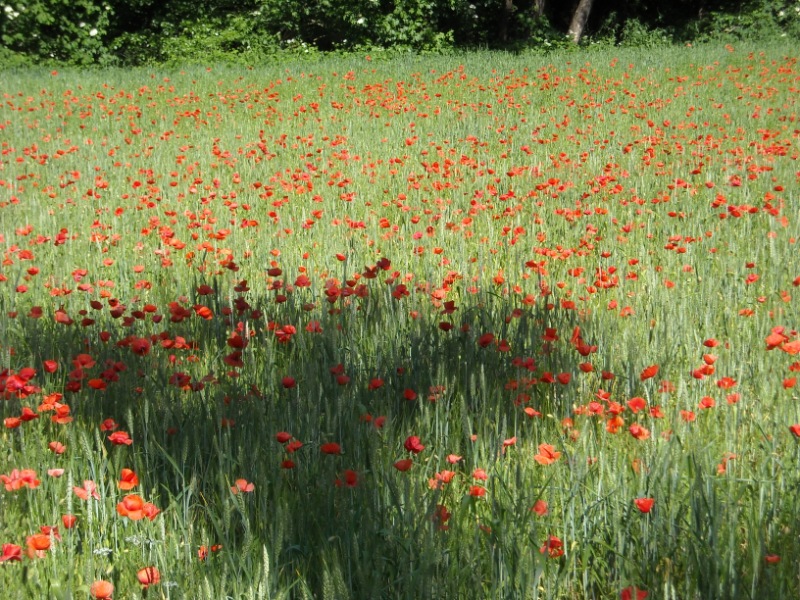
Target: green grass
591, 209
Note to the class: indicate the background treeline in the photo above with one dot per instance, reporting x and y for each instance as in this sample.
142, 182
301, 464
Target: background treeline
131, 32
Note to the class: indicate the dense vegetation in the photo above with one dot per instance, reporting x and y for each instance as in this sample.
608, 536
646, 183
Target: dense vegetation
478, 326
131, 32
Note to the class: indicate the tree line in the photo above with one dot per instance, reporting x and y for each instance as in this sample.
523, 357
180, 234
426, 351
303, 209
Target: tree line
130, 32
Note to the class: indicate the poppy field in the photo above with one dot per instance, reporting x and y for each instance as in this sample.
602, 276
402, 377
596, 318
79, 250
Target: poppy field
479, 326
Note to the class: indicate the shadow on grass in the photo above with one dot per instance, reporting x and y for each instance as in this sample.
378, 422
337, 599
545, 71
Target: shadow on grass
204, 399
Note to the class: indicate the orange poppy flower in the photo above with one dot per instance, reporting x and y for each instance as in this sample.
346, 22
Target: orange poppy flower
89, 489
132, 506
18, 479
150, 510
242, 485
57, 447
37, 545
128, 480
639, 432
547, 455
102, 590
148, 576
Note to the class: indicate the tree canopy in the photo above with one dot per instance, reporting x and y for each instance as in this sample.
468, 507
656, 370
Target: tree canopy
150, 31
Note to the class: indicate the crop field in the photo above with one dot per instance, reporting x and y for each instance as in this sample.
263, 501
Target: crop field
470, 326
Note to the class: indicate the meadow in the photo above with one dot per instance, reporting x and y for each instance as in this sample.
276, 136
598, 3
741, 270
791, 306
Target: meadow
469, 326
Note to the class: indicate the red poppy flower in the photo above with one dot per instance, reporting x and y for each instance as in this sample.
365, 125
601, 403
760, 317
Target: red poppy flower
726, 383
648, 372
28, 414
120, 438
403, 464
540, 507
645, 505
62, 416
553, 547
11, 552
636, 404
633, 593
350, 478
485, 340
440, 479
108, 425
140, 346
531, 412
477, 491
706, 402
413, 444
69, 521
283, 437
294, 446
331, 448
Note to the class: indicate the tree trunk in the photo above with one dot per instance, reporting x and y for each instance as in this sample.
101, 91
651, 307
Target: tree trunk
505, 17
539, 7
579, 19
